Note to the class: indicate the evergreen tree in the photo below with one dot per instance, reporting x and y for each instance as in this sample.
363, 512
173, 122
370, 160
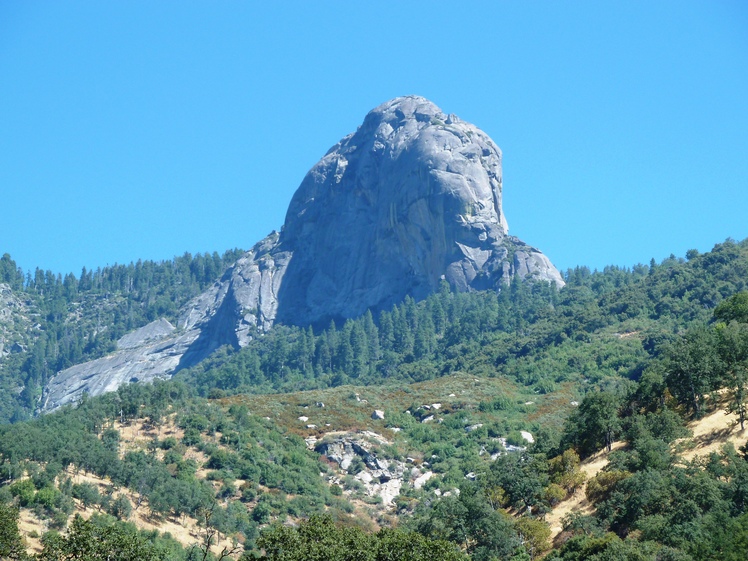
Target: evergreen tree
11, 544
693, 367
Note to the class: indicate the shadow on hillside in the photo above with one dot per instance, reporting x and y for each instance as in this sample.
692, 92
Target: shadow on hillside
714, 436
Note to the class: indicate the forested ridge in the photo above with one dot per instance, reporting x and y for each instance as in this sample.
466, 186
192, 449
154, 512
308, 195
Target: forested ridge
528, 332
73, 319
617, 355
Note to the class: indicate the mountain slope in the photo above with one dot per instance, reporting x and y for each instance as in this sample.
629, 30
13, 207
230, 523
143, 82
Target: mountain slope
49, 322
571, 368
412, 198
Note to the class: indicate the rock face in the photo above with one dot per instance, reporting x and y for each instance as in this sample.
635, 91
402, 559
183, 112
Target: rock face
412, 198
379, 477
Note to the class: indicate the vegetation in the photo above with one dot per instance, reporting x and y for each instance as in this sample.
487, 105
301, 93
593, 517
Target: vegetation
320, 538
80, 318
599, 328
616, 355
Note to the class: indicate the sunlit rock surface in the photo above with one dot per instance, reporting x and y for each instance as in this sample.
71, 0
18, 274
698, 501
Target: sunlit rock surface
412, 198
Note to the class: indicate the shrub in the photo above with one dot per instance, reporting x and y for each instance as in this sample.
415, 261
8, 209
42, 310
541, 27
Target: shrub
121, 508
600, 486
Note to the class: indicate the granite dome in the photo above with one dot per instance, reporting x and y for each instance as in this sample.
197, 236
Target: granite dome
410, 199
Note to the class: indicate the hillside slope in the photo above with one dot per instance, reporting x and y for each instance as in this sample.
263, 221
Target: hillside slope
461, 417
708, 436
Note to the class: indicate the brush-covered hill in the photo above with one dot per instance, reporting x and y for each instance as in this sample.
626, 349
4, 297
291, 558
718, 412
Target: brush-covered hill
463, 417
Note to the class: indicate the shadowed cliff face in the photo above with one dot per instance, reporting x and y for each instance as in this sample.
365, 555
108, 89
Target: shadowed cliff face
411, 198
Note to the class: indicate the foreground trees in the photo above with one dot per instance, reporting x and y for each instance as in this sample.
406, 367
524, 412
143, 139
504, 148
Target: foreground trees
88, 541
11, 545
319, 539
732, 349
709, 358
595, 423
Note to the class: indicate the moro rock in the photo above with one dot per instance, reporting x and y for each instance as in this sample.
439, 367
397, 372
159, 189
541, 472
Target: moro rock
409, 200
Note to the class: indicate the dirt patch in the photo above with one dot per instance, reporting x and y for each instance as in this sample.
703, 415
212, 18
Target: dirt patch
29, 523
627, 335
711, 433
185, 530
136, 434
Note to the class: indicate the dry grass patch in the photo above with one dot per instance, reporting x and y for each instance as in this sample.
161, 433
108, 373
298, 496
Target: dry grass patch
711, 433
29, 523
185, 530
349, 408
578, 503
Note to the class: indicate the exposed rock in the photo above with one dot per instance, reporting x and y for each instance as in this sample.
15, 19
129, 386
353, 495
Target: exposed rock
410, 199
388, 490
421, 480
376, 437
420, 201
215, 318
379, 477
377, 414
143, 363
339, 451
510, 448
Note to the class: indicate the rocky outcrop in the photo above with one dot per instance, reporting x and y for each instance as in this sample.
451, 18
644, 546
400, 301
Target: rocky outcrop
242, 302
409, 200
378, 477
412, 198
149, 353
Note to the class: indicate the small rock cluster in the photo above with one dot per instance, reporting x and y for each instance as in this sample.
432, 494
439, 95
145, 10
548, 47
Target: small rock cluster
379, 477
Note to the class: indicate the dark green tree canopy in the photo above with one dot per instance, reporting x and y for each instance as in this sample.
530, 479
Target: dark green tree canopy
734, 308
320, 539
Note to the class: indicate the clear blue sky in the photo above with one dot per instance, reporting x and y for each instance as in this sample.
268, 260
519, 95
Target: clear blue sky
145, 129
